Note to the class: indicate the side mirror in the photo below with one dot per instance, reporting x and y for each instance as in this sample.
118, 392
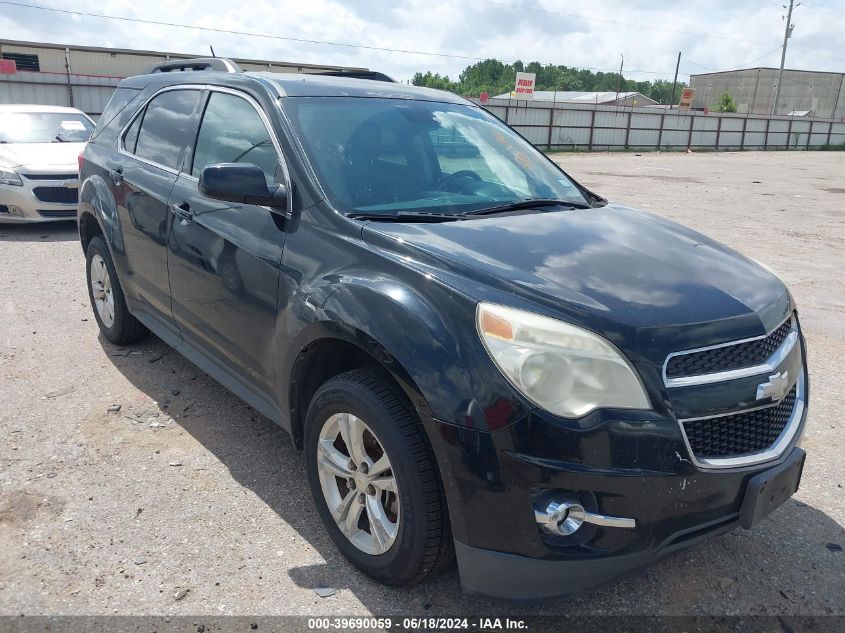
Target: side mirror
243, 183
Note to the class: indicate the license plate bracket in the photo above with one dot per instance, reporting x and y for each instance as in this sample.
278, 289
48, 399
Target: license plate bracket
769, 489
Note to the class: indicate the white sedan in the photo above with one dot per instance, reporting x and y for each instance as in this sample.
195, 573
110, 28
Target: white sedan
39, 148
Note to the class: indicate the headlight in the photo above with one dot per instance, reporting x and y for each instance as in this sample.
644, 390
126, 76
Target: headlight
9, 177
564, 369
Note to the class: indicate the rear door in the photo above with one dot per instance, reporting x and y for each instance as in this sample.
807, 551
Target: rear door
225, 258
142, 175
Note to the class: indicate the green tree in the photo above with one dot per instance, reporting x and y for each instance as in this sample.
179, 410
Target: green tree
495, 78
725, 103
433, 80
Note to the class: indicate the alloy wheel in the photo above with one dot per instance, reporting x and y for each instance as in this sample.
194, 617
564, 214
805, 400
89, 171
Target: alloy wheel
358, 483
101, 290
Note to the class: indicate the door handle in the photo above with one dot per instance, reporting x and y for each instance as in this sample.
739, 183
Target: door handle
183, 211
116, 175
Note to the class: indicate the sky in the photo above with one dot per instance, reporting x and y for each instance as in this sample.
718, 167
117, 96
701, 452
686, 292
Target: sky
446, 36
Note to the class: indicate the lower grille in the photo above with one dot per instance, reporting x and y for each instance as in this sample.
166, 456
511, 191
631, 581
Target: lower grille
57, 195
739, 434
57, 214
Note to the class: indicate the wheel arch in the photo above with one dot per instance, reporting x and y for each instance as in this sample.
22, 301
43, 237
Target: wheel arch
333, 349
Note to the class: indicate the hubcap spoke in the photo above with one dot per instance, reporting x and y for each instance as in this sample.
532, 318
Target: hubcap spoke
333, 460
352, 432
386, 483
349, 526
381, 528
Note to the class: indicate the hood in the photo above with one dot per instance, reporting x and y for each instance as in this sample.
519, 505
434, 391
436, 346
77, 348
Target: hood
48, 157
648, 284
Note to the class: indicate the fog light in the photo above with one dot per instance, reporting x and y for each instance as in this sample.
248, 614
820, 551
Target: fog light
564, 515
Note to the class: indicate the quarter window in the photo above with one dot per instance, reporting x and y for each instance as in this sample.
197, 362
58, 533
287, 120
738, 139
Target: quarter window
165, 130
233, 132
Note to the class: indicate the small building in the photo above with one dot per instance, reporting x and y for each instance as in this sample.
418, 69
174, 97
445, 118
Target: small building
630, 99
821, 94
84, 77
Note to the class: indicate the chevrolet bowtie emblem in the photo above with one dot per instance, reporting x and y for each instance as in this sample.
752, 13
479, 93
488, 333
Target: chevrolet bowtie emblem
775, 388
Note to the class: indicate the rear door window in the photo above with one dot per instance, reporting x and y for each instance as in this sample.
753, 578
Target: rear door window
166, 128
232, 131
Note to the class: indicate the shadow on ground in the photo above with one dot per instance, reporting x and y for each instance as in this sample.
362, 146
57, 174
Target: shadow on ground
63, 231
779, 568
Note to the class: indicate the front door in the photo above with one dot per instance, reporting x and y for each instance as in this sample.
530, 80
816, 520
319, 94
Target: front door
224, 258
143, 173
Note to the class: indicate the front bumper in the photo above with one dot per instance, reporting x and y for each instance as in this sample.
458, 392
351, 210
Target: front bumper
619, 463
32, 202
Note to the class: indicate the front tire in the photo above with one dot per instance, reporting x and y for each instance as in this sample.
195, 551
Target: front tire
106, 295
374, 479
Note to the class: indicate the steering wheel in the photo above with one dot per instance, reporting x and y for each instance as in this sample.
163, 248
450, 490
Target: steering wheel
451, 178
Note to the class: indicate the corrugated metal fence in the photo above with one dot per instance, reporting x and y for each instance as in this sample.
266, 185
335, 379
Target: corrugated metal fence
89, 93
602, 128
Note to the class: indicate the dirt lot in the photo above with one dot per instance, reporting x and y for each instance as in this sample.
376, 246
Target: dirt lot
187, 488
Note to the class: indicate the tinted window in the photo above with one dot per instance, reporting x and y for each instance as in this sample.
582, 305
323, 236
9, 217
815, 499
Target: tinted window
166, 127
119, 100
131, 136
232, 132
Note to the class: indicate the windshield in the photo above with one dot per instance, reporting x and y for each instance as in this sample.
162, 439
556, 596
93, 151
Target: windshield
44, 127
388, 156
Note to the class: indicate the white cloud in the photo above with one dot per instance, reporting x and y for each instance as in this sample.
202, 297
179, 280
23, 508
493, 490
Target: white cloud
505, 29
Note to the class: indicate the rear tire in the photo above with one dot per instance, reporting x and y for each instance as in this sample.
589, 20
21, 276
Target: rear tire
106, 296
419, 538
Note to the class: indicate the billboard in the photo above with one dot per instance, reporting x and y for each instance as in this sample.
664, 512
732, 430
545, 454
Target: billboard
524, 87
686, 98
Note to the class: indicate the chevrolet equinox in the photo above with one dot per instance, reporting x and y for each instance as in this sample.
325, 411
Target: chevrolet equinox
480, 358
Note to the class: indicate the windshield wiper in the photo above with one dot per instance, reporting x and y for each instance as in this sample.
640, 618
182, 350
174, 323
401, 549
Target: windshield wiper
405, 216
529, 203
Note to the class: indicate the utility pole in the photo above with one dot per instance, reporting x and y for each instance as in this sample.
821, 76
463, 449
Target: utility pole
786, 35
675, 81
619, 80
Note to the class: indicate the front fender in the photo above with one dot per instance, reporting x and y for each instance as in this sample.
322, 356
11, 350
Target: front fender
425, 338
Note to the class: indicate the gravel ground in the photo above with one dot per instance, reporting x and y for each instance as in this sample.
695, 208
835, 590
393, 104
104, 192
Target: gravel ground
187, 501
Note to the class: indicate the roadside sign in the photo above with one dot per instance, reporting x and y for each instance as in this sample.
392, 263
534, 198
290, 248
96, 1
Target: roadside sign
483, 97
524, 88
686, 98
8, 67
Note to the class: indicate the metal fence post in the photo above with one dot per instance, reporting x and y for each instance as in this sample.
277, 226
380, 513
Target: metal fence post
718, 132
691, 126
766, 135
809, 136
789, 134
628, 129
592, 127
507, 114
829, 131
551, 123
742, 139
660, 131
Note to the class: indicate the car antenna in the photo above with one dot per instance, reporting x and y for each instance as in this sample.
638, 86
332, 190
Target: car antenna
212, 50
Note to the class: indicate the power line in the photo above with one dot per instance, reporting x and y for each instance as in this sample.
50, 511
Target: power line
737, 66
618, 22
293, 39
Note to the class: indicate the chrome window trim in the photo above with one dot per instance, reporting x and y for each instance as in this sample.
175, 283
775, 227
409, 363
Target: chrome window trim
770, 364
187, 175
774, 451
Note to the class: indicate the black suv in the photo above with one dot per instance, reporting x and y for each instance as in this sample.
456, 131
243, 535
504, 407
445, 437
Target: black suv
479, 356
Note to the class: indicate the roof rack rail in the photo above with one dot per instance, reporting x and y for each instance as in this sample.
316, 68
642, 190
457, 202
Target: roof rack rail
219, 64
357, 74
